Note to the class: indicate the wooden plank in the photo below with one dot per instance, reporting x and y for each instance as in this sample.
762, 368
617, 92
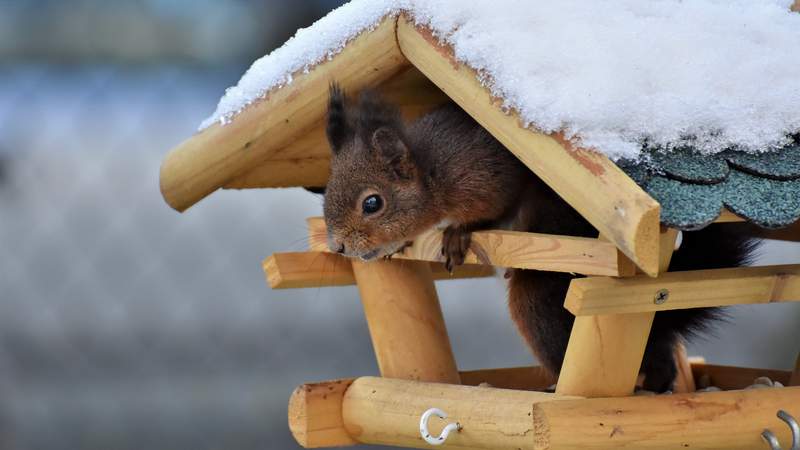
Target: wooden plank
405, 320
315, 414
211, 158
732, 378
306, 160
520, 378
387, 412
586, 179
511, 249
320, 269
691, 289
605, 351
713, 420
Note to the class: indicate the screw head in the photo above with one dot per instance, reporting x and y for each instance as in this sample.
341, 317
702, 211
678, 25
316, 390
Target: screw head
661, 296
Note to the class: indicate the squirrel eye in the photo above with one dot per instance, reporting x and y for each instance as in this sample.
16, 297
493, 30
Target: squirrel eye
372, 204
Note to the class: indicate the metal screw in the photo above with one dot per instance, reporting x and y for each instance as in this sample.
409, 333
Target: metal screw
661, 296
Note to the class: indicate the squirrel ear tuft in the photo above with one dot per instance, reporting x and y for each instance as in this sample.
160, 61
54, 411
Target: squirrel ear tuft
394, 152
338, 127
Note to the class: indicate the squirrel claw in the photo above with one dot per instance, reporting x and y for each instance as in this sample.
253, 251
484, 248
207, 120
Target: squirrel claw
455, 244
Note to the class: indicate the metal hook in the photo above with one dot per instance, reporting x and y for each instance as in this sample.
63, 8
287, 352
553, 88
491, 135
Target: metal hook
772, 440
423, 427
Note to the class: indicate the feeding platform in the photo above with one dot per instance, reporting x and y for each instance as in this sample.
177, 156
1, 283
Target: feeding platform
278, 140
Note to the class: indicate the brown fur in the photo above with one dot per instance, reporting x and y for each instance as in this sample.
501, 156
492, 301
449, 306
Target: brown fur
446, 167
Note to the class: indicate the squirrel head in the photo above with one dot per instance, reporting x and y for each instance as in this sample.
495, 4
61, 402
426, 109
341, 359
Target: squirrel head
377, 197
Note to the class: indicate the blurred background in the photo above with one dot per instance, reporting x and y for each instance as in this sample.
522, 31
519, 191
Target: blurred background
124, 324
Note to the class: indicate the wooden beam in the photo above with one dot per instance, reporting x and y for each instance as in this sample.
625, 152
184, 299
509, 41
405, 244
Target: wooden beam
320, 269
713, 420
733, 378
387, 412
691, 289
315, 414
587, 180
513, 249
605, 351
306, 160
405, 320
218, 154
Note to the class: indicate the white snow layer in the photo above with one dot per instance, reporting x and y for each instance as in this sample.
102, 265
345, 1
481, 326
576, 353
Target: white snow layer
613, 74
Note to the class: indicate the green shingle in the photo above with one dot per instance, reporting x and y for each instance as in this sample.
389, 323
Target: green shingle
766, 202
686, 206
780, 165
685, 164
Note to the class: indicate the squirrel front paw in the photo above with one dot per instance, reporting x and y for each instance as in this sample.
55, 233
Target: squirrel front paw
455, 244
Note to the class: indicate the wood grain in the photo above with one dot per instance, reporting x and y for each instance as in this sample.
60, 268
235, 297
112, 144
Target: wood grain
586, 179
321, 269
315, 414
213, 157
691, 289
512, 249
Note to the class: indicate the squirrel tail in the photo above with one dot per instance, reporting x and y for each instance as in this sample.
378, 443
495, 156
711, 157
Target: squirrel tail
536, 298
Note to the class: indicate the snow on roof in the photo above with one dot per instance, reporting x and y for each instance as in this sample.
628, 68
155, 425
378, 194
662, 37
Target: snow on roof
710, 73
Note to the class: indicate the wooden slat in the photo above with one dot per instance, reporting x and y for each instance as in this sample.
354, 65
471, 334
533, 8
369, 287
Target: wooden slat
216, 155
520, 378
306, 160
320, 269
730, 377
512, 249
710, 420
587, 180
692, 289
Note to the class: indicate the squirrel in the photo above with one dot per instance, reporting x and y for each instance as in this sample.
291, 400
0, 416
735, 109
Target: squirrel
390, 181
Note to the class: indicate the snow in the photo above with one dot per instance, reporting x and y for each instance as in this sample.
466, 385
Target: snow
612, 75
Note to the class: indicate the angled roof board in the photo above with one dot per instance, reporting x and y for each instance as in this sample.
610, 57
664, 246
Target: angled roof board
277, 139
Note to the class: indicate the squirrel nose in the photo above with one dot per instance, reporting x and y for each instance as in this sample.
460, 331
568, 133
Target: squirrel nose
340, 248
334, 245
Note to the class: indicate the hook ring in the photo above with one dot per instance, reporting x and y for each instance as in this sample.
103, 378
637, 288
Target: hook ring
772, 440
423, 427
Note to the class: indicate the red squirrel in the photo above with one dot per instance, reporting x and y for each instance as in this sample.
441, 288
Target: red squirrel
390, 181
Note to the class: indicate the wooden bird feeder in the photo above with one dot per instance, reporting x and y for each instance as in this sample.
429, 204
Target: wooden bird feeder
279, 141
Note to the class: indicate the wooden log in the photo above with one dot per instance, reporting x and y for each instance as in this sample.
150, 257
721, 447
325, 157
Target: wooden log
732, 378
512, 249
691, 289
586, 179
605, 351
315, 414
405, 320
306, 160
387, 412
216, 155
714, 420
320, 269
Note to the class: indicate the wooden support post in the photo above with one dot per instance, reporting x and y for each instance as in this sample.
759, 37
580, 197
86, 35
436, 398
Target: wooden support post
387, 412
405, 320
605, 352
